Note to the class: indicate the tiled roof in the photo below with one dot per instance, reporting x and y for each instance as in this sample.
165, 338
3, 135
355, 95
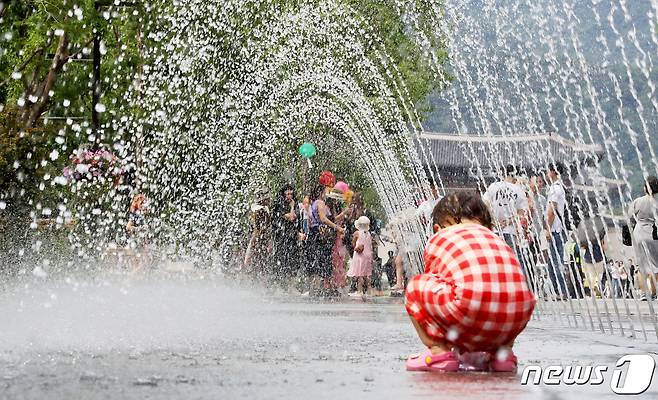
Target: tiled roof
526, 151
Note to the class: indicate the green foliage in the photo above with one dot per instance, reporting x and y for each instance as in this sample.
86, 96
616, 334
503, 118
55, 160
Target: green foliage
383, 17
23, 166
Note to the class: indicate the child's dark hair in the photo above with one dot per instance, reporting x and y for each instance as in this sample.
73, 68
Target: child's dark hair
460, 205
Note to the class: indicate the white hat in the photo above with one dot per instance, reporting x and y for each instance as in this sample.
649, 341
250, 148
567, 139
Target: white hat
363, 223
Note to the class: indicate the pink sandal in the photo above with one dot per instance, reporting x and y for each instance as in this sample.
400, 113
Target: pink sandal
507, 364
444, 362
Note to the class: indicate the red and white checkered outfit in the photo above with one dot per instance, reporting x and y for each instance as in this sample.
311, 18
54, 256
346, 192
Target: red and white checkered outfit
473, 293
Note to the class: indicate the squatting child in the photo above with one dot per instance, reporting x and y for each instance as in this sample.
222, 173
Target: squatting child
473, 296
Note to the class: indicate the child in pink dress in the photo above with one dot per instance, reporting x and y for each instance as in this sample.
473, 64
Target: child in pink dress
361, 267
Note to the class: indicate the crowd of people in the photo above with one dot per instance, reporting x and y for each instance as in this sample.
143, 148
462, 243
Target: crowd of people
331, 239
562, 246
326, 236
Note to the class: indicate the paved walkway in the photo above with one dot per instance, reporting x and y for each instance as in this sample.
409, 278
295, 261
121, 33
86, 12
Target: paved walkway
198, 339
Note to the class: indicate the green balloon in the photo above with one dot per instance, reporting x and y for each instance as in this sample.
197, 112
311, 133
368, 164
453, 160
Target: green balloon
307, 150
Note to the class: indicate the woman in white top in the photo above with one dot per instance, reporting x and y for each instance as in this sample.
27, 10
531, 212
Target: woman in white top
645, 212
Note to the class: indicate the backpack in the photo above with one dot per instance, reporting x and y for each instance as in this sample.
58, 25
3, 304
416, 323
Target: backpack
626, 236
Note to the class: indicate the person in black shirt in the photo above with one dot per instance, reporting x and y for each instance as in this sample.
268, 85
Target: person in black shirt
389, 268
284, 231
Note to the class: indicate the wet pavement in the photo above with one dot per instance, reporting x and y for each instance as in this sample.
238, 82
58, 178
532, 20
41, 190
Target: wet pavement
201, 339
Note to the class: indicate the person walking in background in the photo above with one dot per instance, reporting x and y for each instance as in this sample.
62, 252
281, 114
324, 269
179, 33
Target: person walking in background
612, 270
284, 231
259, 248
339, 213
137, 230
508, 205
527, 235
631, 270
426, 207
555, 230
136, 213
591, 239
576, 282
623, 279
303, 230
304, 211
389, 268
594, 264
644, 210
377, 271
322, 235
537, 211
397, 273
362, 259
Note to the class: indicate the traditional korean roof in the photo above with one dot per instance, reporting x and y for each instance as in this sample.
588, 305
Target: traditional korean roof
492, 151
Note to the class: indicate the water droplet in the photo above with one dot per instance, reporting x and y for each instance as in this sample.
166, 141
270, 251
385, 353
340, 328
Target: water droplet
502, 354
452, 335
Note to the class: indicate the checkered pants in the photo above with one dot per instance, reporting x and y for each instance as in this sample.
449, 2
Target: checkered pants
473, 293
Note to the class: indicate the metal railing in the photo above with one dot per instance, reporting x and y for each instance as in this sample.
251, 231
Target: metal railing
611, 305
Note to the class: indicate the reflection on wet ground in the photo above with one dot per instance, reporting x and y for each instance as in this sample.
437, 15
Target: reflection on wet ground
470, 385
201, 339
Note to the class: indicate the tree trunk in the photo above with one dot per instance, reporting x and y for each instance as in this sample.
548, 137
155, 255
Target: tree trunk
96, 84
55, 67
31, 88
